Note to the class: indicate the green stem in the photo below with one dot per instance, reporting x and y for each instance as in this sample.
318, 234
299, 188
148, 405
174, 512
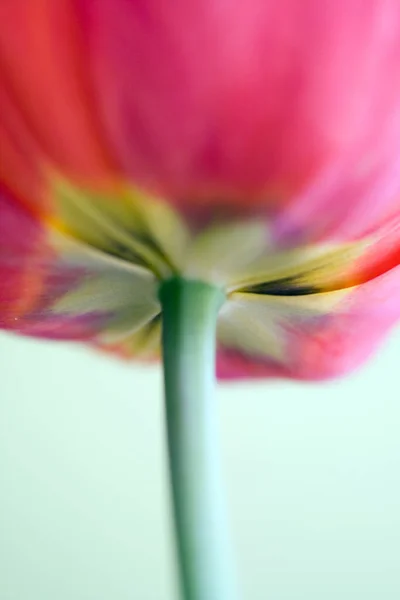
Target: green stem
190, 311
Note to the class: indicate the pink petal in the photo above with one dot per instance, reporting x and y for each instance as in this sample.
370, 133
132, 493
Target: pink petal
21, 243
330, 346
285, 106
33, 278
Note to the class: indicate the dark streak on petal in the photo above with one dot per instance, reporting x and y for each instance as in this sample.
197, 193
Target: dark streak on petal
283, 287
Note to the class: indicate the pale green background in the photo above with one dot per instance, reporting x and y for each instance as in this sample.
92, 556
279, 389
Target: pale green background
312, 474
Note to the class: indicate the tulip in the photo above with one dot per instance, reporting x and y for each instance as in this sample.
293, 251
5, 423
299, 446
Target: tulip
228, 170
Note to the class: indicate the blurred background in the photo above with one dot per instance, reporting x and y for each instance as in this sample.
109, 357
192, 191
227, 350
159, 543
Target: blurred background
312, 473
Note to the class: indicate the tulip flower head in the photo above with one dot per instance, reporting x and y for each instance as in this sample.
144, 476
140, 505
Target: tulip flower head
255, 147
250, 147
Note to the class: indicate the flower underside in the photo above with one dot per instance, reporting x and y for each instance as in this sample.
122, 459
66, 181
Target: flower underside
119, 248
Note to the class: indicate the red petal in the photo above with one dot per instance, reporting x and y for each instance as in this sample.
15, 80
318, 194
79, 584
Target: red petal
20, 164
42, 65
